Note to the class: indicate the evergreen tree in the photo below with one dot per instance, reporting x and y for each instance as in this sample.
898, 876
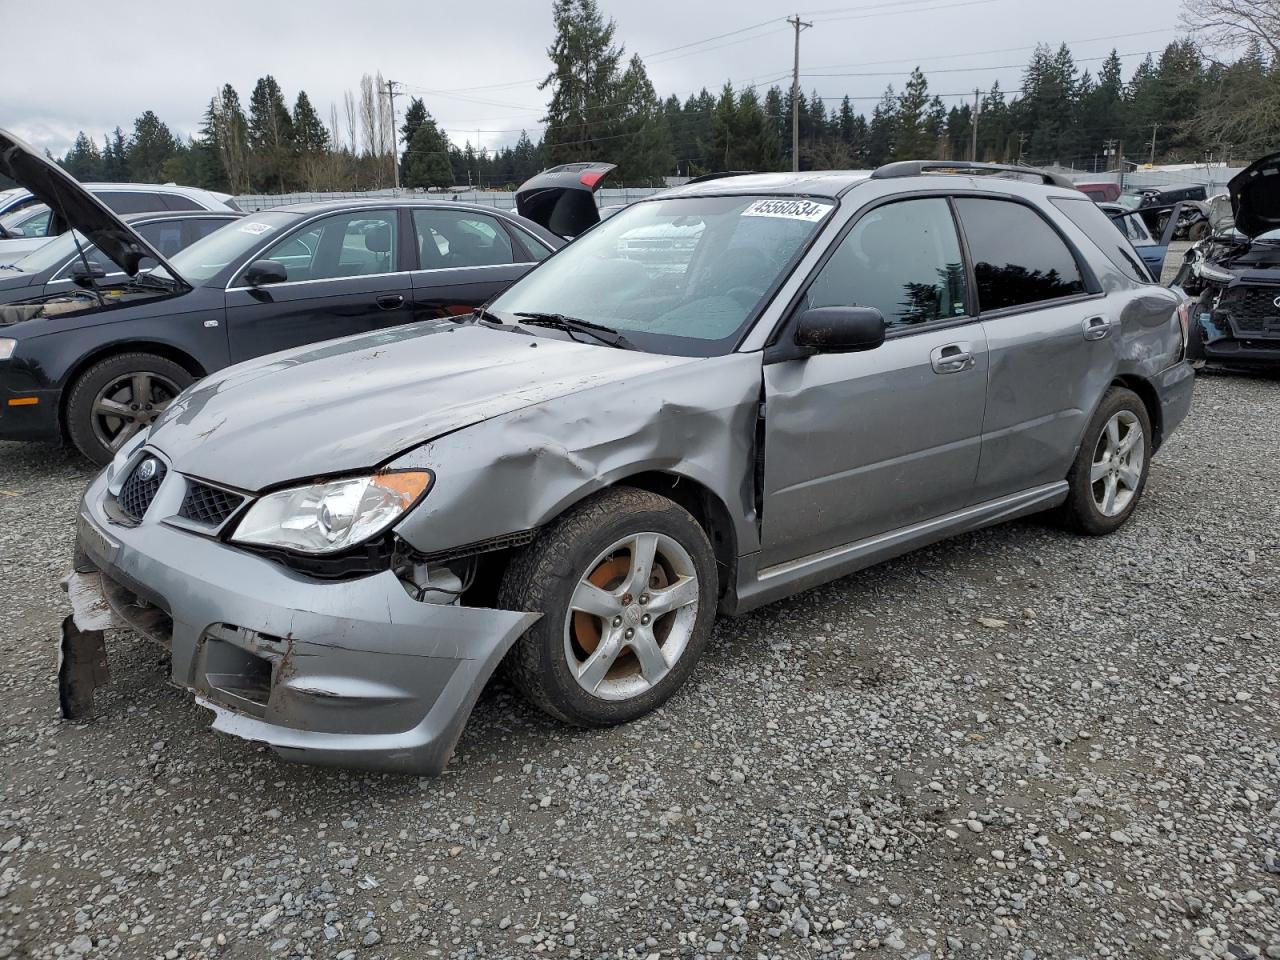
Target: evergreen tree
643, 139
151, 145
271, 136
914, 139
83, 161
225, 135
882, 132
583, 82
115, 158
426, 160
413, 118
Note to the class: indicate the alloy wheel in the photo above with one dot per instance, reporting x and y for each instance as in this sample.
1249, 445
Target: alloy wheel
1118, 459
631, 616
129, 403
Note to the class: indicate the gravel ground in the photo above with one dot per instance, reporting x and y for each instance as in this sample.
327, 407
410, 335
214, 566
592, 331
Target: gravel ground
1017, 744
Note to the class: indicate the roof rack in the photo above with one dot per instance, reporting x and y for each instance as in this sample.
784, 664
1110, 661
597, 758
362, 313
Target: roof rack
917, 168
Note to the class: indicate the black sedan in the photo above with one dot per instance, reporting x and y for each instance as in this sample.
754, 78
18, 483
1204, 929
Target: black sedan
99, 362
60, 265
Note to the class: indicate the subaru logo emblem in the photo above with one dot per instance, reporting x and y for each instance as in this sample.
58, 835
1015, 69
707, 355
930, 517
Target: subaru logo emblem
148, 468
1276, 302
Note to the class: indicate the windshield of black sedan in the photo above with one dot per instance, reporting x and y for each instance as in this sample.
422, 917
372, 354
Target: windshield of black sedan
207, 257
682, 275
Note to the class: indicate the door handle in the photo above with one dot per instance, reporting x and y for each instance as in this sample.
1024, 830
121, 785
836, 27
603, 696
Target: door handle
952, 358
1095, 328
390, 301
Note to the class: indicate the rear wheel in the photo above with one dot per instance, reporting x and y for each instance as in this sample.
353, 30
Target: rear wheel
626, 584
115, 398
1110, 472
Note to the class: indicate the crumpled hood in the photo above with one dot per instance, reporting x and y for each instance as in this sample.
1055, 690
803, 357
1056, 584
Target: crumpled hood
1255, 196
356, 403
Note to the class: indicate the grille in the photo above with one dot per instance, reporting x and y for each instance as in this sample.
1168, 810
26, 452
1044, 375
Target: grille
208, 505
138, 491
1253, 310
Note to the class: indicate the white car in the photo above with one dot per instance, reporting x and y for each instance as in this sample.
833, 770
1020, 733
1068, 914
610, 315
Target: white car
26, 224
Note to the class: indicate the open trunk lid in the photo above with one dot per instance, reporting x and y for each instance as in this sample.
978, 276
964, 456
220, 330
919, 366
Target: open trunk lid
562, 199
79, 208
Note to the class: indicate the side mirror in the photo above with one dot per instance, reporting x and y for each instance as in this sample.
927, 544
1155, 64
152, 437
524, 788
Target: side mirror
83, 276
15, 232
263, 272
840, 329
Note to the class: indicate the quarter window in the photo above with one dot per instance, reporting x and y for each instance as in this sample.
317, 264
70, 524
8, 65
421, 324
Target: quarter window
132, 201
356, 244
1018, 259
1112, 236
903, 259
458, 238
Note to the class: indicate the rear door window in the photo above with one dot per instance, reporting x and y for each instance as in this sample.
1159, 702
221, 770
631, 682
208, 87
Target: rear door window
164, 235
1018, 259
449, 238
1112, 237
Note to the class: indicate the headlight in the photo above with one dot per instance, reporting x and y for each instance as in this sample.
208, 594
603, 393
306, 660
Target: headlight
7, 346
1215, 274
329, 517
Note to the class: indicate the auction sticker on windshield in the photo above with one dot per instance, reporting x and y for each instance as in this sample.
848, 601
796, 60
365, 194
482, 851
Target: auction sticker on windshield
257, 229
788, 209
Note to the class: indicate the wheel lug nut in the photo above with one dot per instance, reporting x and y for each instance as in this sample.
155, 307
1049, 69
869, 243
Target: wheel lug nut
617, 621
630, 633
644, 598
645, 620
626, 599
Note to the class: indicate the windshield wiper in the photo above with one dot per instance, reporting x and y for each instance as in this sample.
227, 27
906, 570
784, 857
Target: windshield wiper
11, 266
572, 325
482, 313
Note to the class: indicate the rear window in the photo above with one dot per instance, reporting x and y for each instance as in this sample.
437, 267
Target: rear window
1108, 235
132, 201
1018, 259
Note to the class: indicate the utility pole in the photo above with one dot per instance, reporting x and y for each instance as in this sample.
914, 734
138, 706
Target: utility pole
795, 95
977, 111
395, 136
1154, 128
1022, 139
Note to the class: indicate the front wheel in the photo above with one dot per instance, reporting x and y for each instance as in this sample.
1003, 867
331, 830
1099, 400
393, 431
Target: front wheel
626, 585
1110, 471
117, 397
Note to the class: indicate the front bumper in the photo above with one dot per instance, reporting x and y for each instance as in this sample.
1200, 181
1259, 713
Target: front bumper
349, 673
29, 414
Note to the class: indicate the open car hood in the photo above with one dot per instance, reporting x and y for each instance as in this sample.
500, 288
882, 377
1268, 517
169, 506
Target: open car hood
1255, 196
562, 199
80, 209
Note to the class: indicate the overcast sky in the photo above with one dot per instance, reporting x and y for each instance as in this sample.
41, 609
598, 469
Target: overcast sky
476, 64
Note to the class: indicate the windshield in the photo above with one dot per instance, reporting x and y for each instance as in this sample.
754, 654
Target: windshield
1130, 201
16, 219
57, 252
206, 258
681, 276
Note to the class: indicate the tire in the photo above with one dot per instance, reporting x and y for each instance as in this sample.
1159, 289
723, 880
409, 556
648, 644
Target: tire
1198, 231
115, 380
1086, 509
596, 540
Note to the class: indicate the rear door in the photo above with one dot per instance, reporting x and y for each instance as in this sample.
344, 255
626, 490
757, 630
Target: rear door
465, 258
857, 444
345, 276
1050, 340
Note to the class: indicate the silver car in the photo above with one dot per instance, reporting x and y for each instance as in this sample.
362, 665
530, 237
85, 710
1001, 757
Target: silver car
341, 543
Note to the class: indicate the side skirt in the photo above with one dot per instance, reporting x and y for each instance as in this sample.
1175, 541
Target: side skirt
756, 587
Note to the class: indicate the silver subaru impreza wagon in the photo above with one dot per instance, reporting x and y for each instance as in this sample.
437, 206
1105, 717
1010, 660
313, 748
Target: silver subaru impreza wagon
719, 396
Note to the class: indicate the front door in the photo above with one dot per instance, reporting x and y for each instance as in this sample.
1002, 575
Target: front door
344, 277
1051, 345
859, 444
465, 258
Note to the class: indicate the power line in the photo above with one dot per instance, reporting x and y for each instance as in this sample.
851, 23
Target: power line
1002, 66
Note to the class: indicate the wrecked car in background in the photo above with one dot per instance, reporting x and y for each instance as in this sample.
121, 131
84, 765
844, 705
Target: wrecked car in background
1235, 274
97, 361
340, 543
1156, 206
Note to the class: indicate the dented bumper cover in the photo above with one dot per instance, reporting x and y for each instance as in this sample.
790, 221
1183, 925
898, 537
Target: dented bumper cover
350, 673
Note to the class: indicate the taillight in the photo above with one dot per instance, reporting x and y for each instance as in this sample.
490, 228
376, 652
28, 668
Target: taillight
590, 178
1184, 319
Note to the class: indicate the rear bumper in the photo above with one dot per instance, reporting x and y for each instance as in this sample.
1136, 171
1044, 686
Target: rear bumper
351, 673
1174, 387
